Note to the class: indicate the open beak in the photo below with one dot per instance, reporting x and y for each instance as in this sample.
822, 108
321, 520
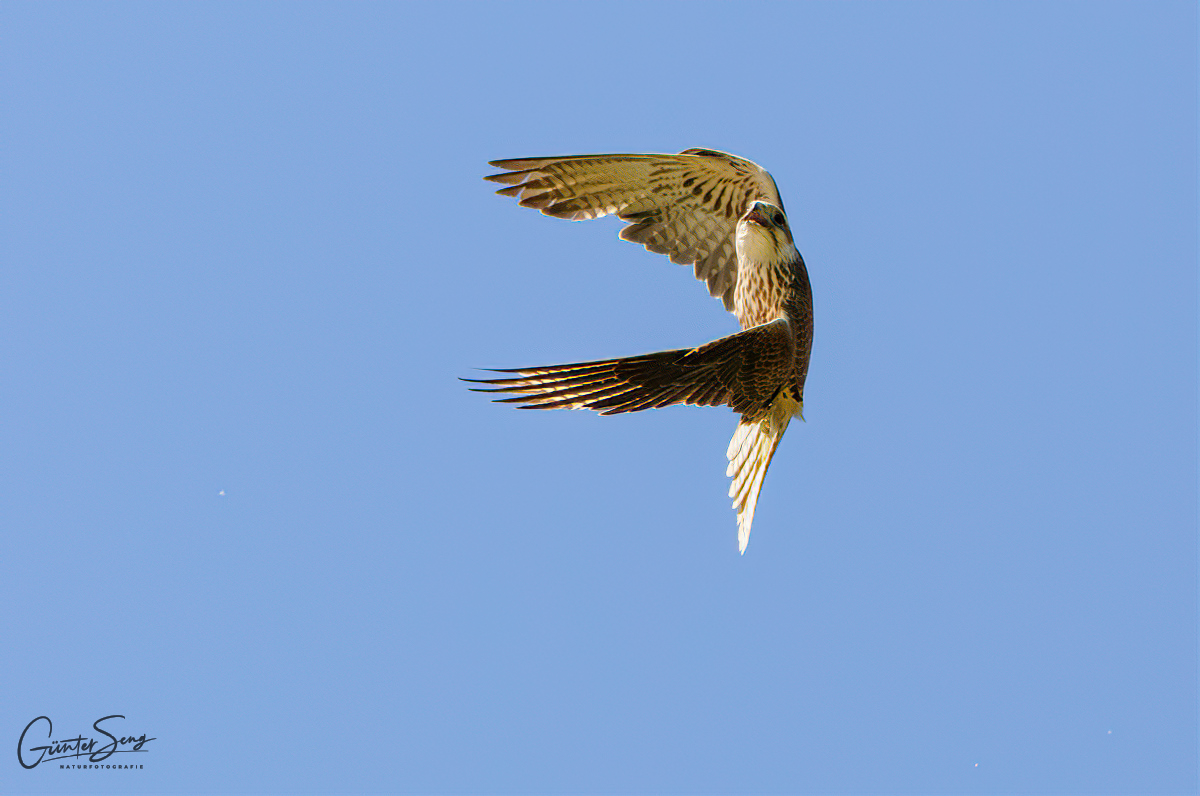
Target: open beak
755, 216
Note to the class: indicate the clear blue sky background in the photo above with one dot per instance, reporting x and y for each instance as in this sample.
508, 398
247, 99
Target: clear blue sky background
247, 249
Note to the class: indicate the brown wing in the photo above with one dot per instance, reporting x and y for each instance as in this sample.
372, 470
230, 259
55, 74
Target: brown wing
744, 371
685, 206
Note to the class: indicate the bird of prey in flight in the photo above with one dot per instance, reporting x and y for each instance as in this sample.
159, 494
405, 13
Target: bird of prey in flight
723, 215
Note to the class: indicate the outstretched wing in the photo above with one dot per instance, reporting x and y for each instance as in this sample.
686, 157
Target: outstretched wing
685, 206
744, 371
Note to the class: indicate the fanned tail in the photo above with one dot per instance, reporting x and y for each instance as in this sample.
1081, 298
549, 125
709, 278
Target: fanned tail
750, 452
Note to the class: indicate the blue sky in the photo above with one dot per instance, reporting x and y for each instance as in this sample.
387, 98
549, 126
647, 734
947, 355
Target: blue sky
249, 506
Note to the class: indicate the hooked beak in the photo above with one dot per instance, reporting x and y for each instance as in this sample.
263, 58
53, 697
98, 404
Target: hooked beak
756, 216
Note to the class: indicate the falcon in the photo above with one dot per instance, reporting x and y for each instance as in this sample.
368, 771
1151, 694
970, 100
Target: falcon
723, 215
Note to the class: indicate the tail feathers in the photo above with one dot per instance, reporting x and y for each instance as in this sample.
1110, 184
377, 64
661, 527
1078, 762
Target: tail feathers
750, 452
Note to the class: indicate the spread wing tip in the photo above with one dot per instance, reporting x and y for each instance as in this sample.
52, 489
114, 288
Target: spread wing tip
525, 164
508, 178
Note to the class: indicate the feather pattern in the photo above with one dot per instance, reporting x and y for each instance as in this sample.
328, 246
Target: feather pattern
685, 206
750, 453
722, 214
744, 371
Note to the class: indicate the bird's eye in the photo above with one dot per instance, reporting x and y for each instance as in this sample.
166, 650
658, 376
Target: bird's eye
778, 219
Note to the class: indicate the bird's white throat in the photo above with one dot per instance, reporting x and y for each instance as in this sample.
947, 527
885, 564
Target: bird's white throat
761, 246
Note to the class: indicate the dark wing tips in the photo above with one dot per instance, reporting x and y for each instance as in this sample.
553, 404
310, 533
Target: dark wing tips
507, 177
558, 386
521, 170
648, 381
521, 164
532, 188
520, 176
706, 153
512, 190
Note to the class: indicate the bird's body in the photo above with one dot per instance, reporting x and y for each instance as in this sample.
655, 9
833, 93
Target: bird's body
772, 284
724, 215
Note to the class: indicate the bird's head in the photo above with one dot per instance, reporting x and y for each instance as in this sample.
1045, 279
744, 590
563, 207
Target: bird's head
763, 234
